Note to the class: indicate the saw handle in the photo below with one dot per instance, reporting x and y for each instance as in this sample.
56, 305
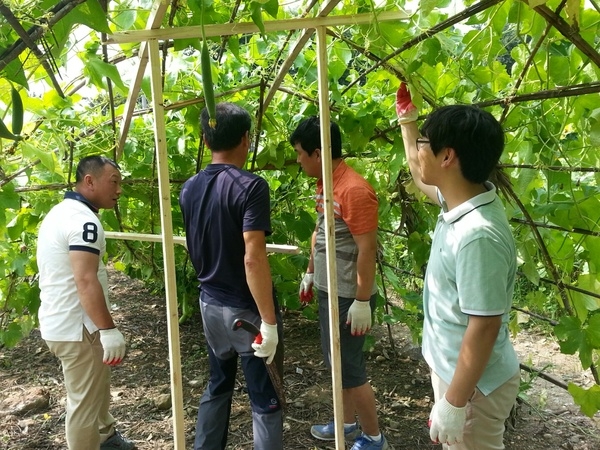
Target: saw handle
249, 327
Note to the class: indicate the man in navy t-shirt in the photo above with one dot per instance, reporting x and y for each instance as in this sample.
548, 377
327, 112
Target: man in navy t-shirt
226, 212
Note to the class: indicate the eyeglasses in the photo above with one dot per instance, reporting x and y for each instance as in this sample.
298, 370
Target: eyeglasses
421, 142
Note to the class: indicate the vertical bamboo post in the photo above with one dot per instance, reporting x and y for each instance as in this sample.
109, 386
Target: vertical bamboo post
167, 245
327, 173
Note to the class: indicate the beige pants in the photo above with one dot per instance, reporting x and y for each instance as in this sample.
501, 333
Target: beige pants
87, 381
484, 429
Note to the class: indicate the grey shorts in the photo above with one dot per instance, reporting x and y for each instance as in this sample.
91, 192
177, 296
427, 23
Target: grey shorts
354, 373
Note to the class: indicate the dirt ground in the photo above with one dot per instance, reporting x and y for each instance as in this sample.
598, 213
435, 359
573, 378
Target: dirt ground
140, 386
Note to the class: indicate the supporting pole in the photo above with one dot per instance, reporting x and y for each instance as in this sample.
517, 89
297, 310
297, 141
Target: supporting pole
327, 174
159, 8
167, 246
143, 237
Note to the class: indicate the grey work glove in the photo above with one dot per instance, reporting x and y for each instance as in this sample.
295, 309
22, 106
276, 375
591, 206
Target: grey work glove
447, 422
113, 343
359, 317
265, 343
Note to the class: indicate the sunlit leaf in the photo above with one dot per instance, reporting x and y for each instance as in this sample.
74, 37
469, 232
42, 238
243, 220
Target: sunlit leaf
90, 13
97, 70
587, 399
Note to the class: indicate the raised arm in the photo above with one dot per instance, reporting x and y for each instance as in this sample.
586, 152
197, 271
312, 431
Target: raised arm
407, 118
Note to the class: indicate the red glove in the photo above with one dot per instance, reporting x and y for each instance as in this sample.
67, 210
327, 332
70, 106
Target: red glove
306, 297
406, 111
306, 289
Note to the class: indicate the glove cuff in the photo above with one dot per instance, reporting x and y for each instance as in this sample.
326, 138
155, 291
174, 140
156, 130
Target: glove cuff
109, 331
362, 304
408, 116
264, 326
447, 409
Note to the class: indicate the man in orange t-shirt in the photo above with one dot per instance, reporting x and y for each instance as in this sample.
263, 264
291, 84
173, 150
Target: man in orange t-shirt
355, 211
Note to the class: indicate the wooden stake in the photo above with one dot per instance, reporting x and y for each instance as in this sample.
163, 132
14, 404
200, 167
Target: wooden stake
271, 248
168, 246
154, 21
230, 29
327, 175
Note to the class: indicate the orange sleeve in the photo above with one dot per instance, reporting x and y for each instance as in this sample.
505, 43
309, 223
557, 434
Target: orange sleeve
360, 208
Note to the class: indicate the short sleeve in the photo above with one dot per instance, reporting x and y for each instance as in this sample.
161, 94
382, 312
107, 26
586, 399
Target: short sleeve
86, 234
360, 209
257, 213
483, 277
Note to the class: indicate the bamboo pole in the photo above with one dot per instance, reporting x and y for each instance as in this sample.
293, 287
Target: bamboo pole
284, 69
327, 175
271, 248
230, 29
168, 247
159, 8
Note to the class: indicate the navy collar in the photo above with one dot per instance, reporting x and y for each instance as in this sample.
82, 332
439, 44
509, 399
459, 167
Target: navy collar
77, 196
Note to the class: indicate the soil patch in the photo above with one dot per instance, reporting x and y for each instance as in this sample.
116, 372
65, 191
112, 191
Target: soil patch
140, 387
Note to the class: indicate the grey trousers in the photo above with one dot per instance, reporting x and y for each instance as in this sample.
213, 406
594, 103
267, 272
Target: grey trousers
224, 345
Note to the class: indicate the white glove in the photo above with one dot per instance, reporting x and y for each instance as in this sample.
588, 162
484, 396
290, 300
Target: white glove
447, 422
405, 109
359, 317
266, 341
306, 288
113, 343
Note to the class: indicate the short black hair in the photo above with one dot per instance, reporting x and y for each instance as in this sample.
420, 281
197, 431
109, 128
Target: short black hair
233, 122
92, 164
308, 135
474, 134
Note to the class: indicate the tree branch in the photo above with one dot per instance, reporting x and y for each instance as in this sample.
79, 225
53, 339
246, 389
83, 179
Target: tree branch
463, 15
57, 13
568, 31
555, 227
42, 58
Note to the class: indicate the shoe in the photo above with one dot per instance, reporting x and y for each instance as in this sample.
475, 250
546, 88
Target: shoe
327, 432
366, 443
117, 442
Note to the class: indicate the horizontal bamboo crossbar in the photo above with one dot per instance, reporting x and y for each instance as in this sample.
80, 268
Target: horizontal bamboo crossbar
271, 248
229, 29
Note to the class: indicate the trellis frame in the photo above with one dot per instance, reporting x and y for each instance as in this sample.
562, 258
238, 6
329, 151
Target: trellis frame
149, 39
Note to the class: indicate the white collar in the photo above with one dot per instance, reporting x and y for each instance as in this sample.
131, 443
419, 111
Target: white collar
465, 208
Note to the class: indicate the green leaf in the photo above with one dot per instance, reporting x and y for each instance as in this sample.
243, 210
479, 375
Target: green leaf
587, 399
593, 331
9, 198
125, 19
11, 335
233, 44
594, 121
271, 7
46, 157
90, 13
5, 133
14, 71
97, 70
569, 332
257, 18
419, 246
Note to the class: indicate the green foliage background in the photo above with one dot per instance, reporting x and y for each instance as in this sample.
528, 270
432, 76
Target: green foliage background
534, 66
